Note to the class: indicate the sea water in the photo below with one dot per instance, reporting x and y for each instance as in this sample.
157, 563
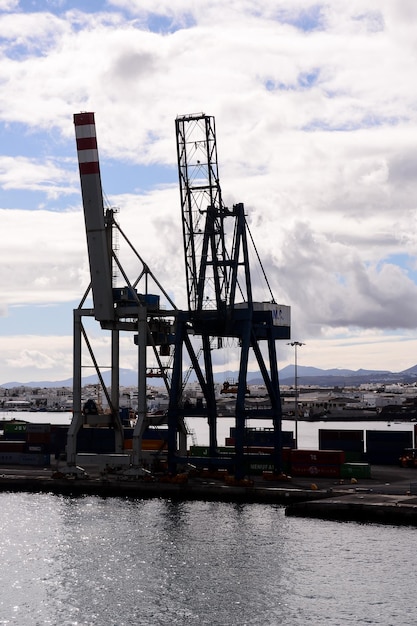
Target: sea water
91, 561
120, 562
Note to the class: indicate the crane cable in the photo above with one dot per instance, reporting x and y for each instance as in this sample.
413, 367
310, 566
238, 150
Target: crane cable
260, 262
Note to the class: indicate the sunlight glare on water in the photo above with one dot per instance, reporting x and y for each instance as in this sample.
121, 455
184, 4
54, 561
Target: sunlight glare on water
117, 562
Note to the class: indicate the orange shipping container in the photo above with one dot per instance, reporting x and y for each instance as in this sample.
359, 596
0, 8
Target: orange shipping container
154, 444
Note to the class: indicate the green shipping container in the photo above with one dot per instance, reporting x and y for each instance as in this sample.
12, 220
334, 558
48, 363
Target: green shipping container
204, 450
13, 427
355, 470
354, 457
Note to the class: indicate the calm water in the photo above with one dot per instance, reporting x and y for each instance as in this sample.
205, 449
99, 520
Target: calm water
91, 561
118, 562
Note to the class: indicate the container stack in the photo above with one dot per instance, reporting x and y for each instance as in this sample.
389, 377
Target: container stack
24, 443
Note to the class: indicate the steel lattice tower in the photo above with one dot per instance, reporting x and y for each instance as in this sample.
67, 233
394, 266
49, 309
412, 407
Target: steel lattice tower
217, 273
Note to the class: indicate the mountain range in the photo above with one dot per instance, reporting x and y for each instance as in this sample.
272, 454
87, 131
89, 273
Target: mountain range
305, 376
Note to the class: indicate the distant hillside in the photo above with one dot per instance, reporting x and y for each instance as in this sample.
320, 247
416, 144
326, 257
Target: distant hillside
305, 376
344, 377
411, 371
340, 377
128, 378
288, 372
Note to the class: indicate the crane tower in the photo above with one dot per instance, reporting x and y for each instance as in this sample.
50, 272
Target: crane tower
117, 308
220, 302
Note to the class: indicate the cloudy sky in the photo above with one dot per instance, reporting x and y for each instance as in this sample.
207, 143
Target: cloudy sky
315, 106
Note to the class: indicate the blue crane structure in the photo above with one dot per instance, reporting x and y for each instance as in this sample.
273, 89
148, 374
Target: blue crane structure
220, 301
116, 308
220, 306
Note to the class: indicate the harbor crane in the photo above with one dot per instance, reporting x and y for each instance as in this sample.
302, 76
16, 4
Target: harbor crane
115, 308
220, 301
220, 306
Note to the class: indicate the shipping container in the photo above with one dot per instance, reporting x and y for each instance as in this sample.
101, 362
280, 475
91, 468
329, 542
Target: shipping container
204, 450
14, 435
38, 428
385, 447
14, 427
59, 428
258, 468
96, 440
38, 437
347, 440
355, 470
383, 457
58, 440
38, 448
354, 457
318, 457
315, 471
12, 446
18, 458
261, 437
154, 444
198, 450
155, 433
14, 431
255, 462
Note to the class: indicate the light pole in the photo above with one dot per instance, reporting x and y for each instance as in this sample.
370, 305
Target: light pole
296, 344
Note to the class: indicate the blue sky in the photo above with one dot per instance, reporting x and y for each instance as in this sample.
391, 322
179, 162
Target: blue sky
315, 107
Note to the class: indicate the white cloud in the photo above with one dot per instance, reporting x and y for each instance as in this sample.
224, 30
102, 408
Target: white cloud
47, 176
8, 5
44, 258
315, 108
30, 358
347, 348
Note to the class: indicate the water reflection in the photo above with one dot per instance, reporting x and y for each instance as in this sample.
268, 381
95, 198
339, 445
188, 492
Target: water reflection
106, 562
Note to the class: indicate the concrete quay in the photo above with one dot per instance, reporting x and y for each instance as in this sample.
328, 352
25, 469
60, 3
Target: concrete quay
39, 480
388, 497
355, 507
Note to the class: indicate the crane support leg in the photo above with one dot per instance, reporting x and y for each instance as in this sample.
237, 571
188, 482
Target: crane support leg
141, 421
240, 404
77, 418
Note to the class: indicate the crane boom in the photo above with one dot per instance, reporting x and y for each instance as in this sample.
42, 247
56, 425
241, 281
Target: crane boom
202, 212
98, 239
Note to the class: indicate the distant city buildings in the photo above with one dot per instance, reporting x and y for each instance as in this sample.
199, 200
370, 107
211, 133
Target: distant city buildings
313, 402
